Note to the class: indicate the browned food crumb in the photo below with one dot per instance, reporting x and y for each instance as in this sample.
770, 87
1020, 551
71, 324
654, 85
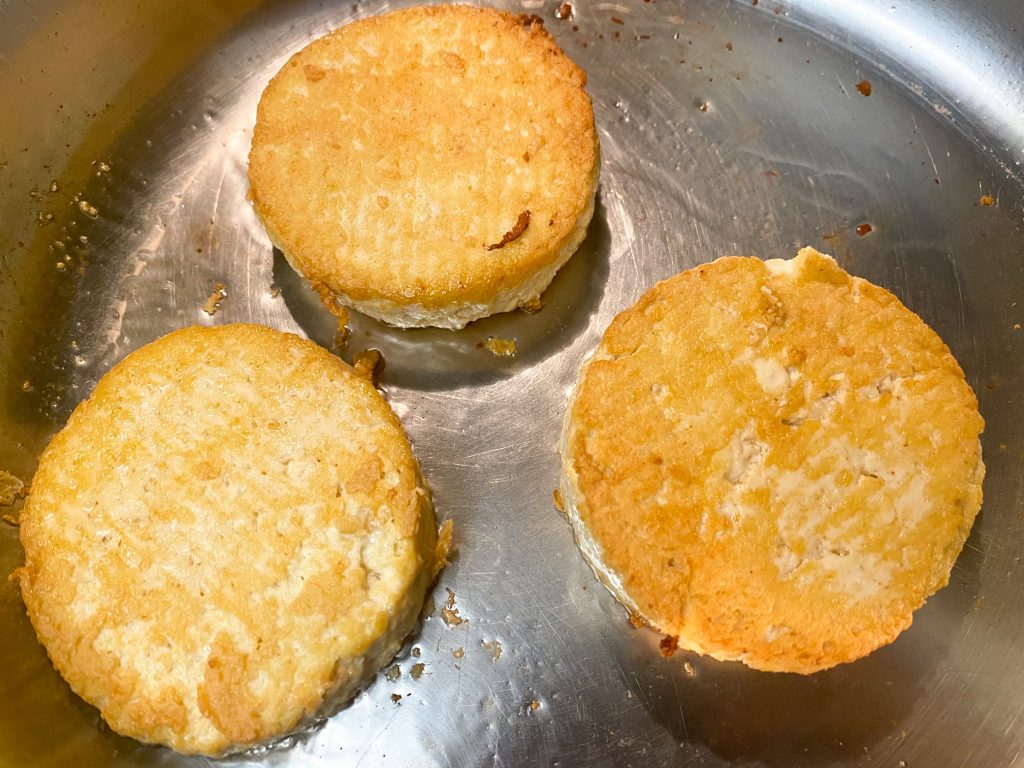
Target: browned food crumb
986, 200
863, 229
529, 20
342, 334
417, 651
213, 301
1016, 326
771, 172
459, 652
443, 548
392, 673
617, 20
564, 12
556, 496
864, 87
396, 697
11, 488
689, 670
668, 646
494, 647
500, 347
534, 705
450, 614
417, 670
275, 291
515, 233
728, 45
637, 620
368, 364
330, 303
704, 106
533, 306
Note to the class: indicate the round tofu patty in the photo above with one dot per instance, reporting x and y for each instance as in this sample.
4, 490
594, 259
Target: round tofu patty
772, 462
428, 166
227, 539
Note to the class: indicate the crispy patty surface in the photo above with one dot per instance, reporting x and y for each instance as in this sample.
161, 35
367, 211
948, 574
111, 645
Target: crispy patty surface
226, 539
427, 166
774, 462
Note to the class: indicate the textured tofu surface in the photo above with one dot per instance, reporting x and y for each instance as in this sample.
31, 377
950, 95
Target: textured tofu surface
226, 539
428, 166
775, 462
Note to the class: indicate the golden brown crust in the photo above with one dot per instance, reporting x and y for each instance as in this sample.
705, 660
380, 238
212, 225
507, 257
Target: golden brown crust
775, 462
418, 138
223, 536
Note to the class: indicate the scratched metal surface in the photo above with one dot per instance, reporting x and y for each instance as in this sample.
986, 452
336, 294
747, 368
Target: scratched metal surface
725, 128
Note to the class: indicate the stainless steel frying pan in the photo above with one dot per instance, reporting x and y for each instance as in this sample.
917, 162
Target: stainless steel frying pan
726, 127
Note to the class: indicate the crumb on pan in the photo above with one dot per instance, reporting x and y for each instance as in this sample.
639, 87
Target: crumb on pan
331, 303
12, 488
444, 549
500, 347
668, 646
342, 333
533, 306
213, 301
494, 647
369, 363
450, 614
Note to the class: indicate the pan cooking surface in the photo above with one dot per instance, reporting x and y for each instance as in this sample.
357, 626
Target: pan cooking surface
885, 133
